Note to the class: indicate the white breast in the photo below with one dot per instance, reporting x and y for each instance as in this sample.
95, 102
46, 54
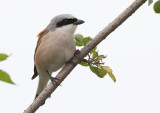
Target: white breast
55, 50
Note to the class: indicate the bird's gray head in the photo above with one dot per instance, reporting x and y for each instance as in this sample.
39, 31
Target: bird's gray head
63, 20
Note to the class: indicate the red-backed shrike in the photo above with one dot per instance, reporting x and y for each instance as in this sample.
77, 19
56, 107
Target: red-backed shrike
55, 47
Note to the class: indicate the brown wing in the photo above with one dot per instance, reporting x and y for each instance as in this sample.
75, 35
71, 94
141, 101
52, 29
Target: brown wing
40, 37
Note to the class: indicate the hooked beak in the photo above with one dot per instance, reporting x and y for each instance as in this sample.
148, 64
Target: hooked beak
78, 22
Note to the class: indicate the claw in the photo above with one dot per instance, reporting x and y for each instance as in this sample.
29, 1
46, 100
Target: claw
54, 80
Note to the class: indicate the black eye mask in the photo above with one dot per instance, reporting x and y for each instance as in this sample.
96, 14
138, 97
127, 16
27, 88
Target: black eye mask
66, 22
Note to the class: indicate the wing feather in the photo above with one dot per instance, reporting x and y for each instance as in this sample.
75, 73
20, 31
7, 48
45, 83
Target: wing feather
40, 37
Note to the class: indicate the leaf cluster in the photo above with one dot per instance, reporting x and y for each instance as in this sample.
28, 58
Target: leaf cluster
156, 6
94, 60
3, 75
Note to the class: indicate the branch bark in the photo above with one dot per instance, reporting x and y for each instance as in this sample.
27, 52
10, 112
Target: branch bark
80, 55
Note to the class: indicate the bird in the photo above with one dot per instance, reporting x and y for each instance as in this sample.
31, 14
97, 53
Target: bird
55, 47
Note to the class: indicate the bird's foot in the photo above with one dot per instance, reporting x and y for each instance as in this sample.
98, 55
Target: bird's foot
77, 52
54, 80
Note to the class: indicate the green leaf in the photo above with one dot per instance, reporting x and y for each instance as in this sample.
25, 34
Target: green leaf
86, 40
78, 44
3, 57
157, 7
5, 77
95, 54
84, 63
98, 71
109, 71
112, 76
149, 2
79, 39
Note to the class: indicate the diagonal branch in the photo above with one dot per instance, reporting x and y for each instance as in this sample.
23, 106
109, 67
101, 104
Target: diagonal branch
80, 55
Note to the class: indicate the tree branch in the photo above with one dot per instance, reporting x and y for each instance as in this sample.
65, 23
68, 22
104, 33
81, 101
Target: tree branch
80, 55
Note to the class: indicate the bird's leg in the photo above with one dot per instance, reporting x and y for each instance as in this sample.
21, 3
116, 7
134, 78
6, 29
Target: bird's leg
53, 79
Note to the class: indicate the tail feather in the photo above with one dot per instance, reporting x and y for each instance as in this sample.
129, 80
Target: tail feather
35, 73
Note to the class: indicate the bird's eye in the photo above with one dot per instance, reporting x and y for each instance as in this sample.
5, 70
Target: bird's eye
65, 20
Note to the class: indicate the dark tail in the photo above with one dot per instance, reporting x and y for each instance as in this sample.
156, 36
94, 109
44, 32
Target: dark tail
35, 73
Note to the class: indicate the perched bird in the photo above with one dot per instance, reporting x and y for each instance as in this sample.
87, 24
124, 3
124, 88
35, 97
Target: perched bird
54, 48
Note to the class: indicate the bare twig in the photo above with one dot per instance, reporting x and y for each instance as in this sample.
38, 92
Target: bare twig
79, 56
